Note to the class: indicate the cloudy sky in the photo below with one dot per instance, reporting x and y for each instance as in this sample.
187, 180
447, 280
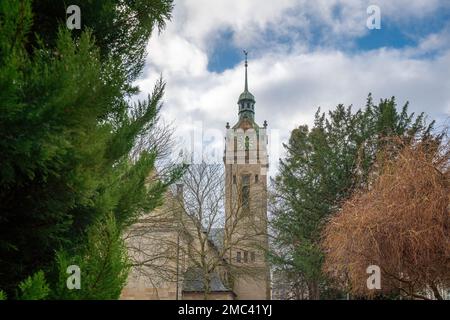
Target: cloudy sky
303, 54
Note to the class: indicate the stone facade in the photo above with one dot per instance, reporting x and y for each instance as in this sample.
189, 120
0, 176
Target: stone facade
163, 254
163, 260
246, 166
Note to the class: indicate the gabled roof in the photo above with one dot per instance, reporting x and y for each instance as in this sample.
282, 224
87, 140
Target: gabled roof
193, 281
247, 123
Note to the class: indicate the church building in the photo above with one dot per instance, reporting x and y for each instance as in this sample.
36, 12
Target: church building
246, 164
163, 254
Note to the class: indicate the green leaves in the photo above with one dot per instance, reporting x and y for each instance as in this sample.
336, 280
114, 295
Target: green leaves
121, 28
323, 166
67, 129
102, 260
34, 287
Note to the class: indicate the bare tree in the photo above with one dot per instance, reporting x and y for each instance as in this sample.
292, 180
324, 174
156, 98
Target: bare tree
151, 244
192, 231
401, 223
213, 233
152, 240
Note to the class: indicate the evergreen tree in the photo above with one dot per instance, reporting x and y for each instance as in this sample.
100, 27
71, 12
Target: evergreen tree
34, 287
121, 28
102, 260
323, 167
66, 131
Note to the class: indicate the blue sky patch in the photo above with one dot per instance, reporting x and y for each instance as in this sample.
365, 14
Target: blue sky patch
406, 34
223, 54
390, 35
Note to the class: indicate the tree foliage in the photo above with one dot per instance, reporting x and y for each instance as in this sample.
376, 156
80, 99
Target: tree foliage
400, 223
102, 260
121, 27
34, 287
323, 166
67, 129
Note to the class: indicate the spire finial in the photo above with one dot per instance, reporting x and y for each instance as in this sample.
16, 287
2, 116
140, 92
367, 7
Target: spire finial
246, 65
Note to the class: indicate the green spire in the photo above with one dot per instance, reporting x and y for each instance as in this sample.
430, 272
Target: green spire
246, 65
246, 100
246, 95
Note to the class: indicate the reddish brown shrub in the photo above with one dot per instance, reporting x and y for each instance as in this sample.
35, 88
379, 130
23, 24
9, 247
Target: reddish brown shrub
400, 223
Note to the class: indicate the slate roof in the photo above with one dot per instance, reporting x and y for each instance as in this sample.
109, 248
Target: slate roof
193, 281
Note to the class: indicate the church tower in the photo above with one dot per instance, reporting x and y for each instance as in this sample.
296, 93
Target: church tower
246, 164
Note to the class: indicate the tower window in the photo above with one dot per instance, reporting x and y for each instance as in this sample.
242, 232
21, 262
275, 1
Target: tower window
234, 179
238, 256
252, 256
245, 256
256, 178
245, 191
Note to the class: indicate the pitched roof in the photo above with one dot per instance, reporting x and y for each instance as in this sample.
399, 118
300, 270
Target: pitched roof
193, 281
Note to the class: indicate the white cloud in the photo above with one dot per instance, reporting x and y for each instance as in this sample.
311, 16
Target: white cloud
289, 84
199, 21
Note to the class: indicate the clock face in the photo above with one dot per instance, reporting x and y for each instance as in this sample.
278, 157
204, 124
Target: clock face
245, 143
241, 142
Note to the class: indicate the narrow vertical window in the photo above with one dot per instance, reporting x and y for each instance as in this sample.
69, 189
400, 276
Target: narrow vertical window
234, 179
256, 178
246, 191
245, 256
252, 256
238, 256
